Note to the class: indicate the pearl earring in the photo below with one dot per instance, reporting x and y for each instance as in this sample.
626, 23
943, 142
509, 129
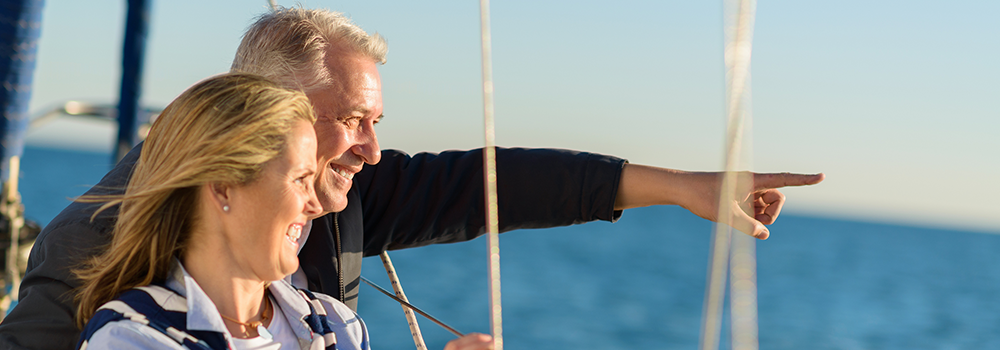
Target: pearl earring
225, 208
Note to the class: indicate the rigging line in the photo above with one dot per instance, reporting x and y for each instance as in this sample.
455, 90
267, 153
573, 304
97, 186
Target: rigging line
490, 178
743, 284
737, 250
414, 308
411, 319
715, 289
15, 218
743, 262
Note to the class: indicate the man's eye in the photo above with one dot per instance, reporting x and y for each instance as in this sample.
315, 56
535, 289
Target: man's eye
352, 122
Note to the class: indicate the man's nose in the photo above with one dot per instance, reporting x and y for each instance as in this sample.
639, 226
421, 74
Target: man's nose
367, 146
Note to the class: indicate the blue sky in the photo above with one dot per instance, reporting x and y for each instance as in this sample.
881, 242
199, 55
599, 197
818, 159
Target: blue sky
894, 100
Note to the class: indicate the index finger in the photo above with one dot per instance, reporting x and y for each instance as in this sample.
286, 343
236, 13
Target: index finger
766, 181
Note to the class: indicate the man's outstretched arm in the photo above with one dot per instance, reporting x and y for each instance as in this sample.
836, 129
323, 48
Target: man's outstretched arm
698, 192
438, 198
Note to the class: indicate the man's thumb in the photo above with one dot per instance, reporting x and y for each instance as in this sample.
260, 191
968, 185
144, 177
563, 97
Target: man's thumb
746, 224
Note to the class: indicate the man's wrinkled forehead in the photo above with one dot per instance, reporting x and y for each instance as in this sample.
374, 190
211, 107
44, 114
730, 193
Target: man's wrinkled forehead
354, 87
354, 71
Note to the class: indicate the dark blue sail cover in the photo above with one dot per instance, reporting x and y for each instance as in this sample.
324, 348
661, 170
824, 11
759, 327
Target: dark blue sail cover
20, 28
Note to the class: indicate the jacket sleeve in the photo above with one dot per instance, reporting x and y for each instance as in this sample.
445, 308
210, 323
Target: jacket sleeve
44, 317
439, 198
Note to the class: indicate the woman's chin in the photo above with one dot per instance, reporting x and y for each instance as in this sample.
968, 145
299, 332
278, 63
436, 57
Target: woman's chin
288, 267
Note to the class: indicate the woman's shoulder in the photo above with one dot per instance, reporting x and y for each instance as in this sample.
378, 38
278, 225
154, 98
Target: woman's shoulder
123, 324
148, 317
129, 334
330, 305
350, 331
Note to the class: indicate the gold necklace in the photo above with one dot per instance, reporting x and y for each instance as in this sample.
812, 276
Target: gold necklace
255, 325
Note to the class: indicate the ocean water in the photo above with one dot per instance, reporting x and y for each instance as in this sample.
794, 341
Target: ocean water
639, 283
51, 177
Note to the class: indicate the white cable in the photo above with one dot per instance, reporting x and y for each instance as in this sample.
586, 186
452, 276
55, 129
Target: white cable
728, 250
490, 179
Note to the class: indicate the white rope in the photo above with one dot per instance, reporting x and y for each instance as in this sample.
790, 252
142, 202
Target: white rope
15, 220
743, 260
715, 289
12, 212
729, 251
411, 318
490, 179
743, 284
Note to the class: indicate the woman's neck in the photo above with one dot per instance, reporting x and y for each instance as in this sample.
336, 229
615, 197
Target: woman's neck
236, 295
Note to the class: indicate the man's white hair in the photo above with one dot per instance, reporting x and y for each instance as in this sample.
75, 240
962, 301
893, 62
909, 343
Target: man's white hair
289, 46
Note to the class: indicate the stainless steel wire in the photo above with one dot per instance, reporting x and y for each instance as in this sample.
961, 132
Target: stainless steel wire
414, 308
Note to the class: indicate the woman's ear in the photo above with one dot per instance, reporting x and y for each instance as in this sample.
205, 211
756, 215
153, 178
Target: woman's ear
220, 195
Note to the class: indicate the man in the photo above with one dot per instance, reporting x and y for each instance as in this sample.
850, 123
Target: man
378, 200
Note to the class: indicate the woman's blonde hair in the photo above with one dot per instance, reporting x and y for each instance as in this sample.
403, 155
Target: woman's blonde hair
222, 130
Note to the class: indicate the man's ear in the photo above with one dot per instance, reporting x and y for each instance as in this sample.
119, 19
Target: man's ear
220, 195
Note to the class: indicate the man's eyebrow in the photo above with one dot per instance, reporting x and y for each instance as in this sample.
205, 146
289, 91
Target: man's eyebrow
360, 109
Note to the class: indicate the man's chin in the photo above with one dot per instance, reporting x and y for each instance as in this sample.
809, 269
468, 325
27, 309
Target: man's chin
332, 198
333, 205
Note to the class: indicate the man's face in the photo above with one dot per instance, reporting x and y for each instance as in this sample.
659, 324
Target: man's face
346, 114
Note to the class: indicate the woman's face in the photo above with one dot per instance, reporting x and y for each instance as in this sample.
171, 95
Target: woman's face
269, 212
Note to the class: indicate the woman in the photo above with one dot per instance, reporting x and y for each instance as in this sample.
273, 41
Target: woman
207, 231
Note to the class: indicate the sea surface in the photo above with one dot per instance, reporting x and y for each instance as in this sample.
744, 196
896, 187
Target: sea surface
639, 283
